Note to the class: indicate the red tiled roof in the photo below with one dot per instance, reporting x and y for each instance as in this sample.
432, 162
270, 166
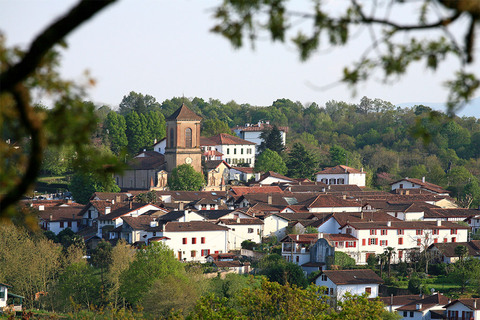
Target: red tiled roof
224, 139
359, 276
174, 226
184, 113
239, 191
273, 175
406, 225
60, 213
325, 200
423, 184
473, 304
212, 153
339, 169
241, 221
244, 169
301, 238
435, 300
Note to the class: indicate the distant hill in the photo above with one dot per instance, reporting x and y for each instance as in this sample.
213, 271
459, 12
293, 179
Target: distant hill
471, 110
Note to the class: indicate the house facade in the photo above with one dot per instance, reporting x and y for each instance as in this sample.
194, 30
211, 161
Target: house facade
252, 132
341, 175
463, 309
355, 282
235, 151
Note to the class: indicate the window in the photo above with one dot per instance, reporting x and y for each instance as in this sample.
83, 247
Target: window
2, 294
419, 232
384, 243
435, 240
234, 150
384, 232
154, 234
411, 314
372, 241
348, 231
202, 239
228, 151
194, 240
69, 224
249, 151
172, 138
241, 151
61, 224
400, 240
435, 231
400, 231
297, 259
453, 231
250, 230
405, 314
419, 242
331, 291
454, 239
373, 232
205, 252
400, 254
188, 138
368, 290
193, 253
184, 240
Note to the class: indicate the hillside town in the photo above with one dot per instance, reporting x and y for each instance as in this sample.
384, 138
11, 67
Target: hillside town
239, 214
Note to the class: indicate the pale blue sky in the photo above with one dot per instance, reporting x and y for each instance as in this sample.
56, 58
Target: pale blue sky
164, 48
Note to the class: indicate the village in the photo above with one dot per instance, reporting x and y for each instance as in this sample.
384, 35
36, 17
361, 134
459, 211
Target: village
229, 223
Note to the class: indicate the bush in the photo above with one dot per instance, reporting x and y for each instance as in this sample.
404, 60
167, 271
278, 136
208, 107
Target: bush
414, 285
249, 245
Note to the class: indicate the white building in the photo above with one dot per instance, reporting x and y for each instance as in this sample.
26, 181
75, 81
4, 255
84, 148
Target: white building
412, 183
233, 150
192, 241
57, 219
3, 294
275, 225
373, 237
242, 229
356, 282
463, 309
341, 175
252, 132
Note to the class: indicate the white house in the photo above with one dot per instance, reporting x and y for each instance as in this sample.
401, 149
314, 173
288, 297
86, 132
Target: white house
463, 309
296, 247
233, 149
270, 177
56, 219
329, 204
242, 229
275, 225
160, 146
194, 240
412, 183
241, 173
356, 282
252, 132
375, 236
3, 294
417, 307
341, 175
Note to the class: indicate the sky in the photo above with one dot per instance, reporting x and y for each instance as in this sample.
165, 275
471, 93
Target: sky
164, 48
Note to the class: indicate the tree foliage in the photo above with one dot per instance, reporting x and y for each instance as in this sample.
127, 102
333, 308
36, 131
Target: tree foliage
272, 139
270, 160
185, 178
212, 127
301, 163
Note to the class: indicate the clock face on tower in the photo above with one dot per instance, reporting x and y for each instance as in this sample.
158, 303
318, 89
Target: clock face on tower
188, 160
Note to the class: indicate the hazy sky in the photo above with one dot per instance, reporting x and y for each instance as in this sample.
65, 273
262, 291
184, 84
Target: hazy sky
164, 48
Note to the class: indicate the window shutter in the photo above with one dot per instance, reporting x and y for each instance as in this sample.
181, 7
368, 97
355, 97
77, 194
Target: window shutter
376, 241
363, 242
386, 242
354, 244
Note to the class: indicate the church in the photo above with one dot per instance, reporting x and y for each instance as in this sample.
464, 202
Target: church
149, 169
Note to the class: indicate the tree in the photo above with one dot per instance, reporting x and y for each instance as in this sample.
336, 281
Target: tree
101, 258
212, 127
83, 185
338, 155
270, 160
401, 43
38, 68
185, 178
115, 128
135, 132
154, 262
301, 163
272, 139
275, 268
122, 256
141, 104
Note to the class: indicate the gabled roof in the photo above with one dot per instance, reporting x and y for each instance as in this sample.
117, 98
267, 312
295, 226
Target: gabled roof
185, 114
138, 223
117, 213
230, 264
273, 174
344, 217
193, 226
301, 238
60, 214
327, 201
214, 164
241, 221
151, 160
339, 169
448, 248
472, 304
359, 276
213, 214
425, 303
399, 300
238, 191
248, 170
405, 225
426, 185
226, 139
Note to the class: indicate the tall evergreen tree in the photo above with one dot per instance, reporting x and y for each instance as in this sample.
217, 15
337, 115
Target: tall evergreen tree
156, 125
115, 128
301, 163
134, 132
272, 140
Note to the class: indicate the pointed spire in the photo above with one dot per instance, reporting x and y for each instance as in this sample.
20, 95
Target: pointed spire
184, 113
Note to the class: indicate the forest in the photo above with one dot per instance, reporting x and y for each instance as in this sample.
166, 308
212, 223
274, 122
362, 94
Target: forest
388, 142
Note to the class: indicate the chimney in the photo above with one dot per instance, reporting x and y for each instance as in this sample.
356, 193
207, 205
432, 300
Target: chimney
154, 223
298, 237
344, 197
181, 206
419, 306
361, 215
113, 201
117, 199
41, 208
320, 235
51, 217
108, 210
362, 170
439, 223
475, 304
423, 179
238, 220
269, 199
131, 204
389, 223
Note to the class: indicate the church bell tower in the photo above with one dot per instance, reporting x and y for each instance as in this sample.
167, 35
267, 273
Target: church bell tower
183, 139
